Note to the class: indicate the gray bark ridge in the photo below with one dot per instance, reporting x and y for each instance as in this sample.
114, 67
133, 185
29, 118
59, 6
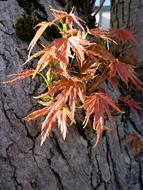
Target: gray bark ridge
58, 164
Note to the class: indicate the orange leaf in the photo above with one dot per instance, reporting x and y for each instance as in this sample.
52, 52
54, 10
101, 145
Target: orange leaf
68, 92
59, 116
77, 44
70, 18
20, 76
37, 114
43, 26
99, 105
99, 33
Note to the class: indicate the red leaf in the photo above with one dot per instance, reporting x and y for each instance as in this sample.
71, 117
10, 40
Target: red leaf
99, 51
123, 35
134, 105
126, 73
99, 105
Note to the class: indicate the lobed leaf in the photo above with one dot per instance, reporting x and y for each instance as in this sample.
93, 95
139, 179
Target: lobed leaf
20, 76
100, 34
70, 18
43, 26
123, 35
126, 73
133, 105
99, 106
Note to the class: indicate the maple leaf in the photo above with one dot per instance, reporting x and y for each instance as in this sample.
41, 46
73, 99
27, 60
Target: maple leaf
123, 35
88, 69
43, 26
59, 51
70, 18
69, 89
99, 105
77, 45
126, 73
59, 116
99, 51
48, 57
56, 110
134, 105
37, 114
100, 34
20, 76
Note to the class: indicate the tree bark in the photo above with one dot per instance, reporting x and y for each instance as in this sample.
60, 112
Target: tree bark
57, 165
128, 14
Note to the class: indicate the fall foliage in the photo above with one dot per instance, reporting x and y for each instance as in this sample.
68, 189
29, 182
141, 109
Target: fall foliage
75, 69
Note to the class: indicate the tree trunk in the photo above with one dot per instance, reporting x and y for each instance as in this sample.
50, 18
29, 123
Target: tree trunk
57, 165
128, 14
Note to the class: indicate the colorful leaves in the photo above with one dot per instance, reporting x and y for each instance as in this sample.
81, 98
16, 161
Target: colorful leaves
68, 92
75, 68
99, 106
59, 51
60, 116
70, 18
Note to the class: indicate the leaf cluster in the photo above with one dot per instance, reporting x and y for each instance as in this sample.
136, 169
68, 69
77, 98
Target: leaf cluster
75, 68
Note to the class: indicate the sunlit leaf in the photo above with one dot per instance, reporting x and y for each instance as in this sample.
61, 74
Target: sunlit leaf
20, 76
99, 106
100, 34
56, 116
70, 18
42, 27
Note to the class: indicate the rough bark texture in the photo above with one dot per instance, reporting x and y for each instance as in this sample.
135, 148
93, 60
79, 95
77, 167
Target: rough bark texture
57, 165
128, 14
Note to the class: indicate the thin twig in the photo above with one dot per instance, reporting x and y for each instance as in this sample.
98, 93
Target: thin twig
100, 7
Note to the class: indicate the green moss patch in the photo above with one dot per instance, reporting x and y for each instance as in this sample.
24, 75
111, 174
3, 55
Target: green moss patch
26, 5
25, 28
